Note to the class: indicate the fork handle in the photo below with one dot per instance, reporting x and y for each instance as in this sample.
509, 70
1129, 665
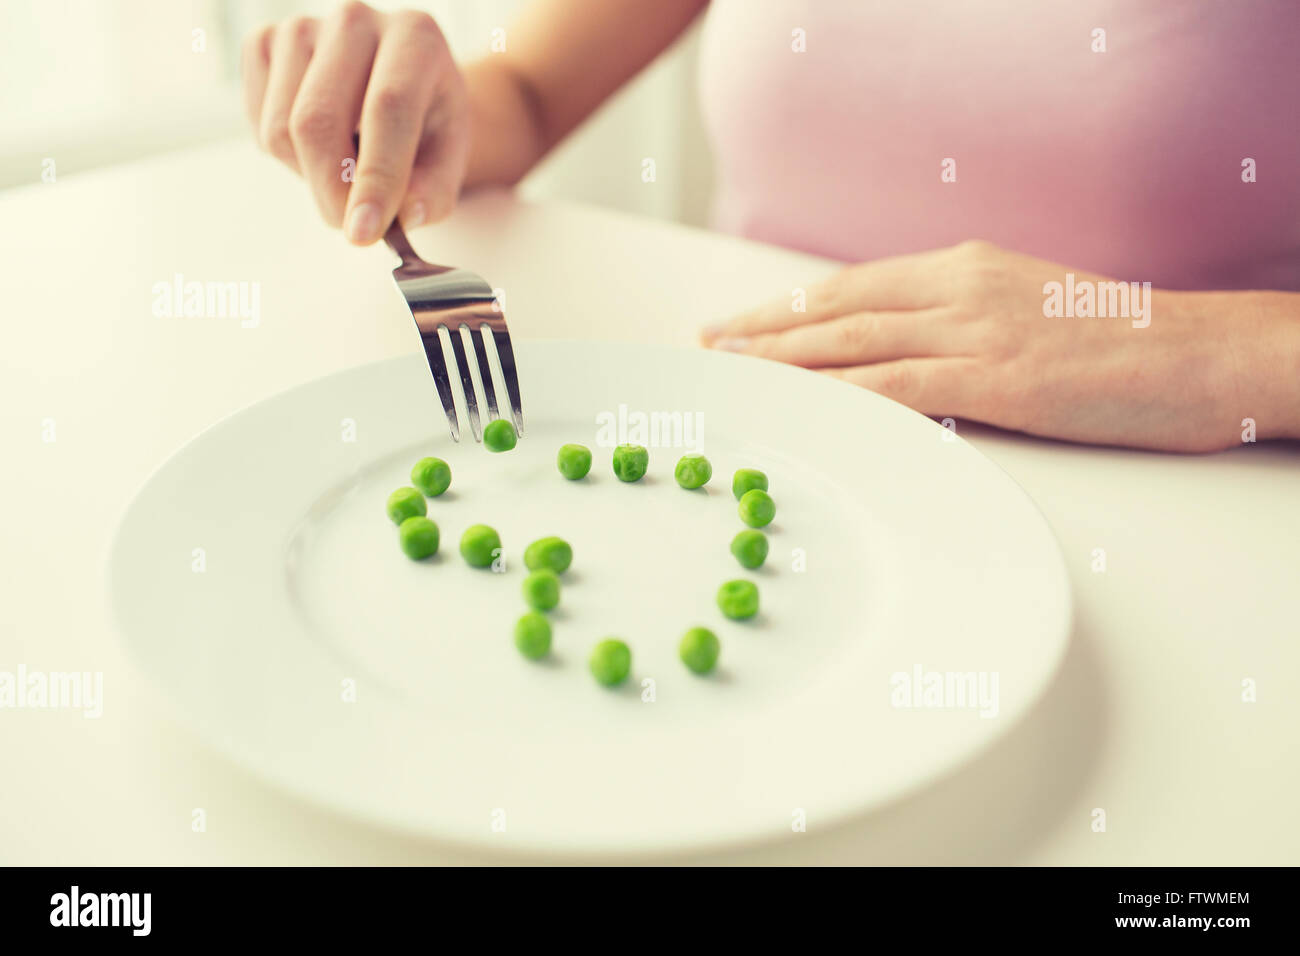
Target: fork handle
398, 242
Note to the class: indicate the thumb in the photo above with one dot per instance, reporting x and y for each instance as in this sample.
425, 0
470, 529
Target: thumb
436, 178
384, 157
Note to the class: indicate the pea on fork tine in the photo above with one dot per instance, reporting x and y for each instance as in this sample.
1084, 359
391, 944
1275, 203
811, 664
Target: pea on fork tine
463, 305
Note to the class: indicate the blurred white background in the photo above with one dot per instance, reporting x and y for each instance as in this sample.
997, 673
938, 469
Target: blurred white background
89, 83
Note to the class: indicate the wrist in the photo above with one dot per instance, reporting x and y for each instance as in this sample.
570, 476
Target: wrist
1280, 378
1262, 359
507, 132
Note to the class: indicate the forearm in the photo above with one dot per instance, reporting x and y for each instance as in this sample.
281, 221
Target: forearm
562, 60
1261, 352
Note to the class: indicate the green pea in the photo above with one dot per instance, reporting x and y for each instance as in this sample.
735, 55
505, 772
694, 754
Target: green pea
746, 479
479, 545
757, 508
750, 548
419, 537
574, 461
405, 503
610, 661
738, 599
699, 649
542, 589
554, 553
630, 462
533, 635
431, 475
693, 471
499, 435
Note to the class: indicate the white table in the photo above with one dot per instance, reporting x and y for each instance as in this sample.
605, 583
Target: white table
1146, 720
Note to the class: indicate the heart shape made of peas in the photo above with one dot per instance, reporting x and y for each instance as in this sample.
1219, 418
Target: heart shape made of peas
548, 558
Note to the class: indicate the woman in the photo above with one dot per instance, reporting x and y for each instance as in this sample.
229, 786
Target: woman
1157, 144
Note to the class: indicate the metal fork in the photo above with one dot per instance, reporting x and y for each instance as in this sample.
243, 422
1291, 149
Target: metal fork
441, 297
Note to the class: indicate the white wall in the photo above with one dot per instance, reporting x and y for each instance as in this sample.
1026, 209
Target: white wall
93, 82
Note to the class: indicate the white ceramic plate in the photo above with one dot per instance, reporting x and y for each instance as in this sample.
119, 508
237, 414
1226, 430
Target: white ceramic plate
918, 553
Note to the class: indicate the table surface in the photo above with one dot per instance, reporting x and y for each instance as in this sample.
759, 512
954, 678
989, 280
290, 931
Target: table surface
1146, 720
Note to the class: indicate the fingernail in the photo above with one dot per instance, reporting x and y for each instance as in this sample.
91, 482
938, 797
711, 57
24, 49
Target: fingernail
363, 223
732, 344
415, 216
710, 332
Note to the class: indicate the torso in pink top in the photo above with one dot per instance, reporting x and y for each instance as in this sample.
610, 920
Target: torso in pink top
1127, 162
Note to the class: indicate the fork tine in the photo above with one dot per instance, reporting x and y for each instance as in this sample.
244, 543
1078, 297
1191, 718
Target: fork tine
484, 369
438, 365
506, 355
441, 297
466, 381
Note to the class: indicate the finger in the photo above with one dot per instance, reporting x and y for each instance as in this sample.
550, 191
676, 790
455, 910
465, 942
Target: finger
392, 121
442, 157
850, 340
932, 386
291, 51
898, 283
329, 103
255, 68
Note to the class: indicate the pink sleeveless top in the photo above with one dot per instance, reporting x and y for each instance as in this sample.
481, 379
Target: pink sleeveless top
1128, 162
